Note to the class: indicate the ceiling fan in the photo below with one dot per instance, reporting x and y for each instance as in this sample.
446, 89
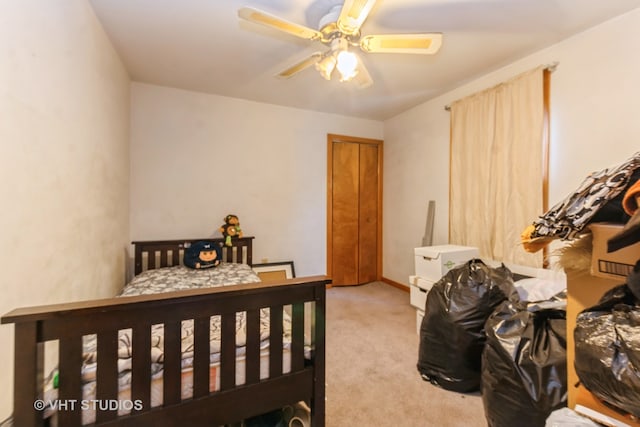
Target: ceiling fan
339, 29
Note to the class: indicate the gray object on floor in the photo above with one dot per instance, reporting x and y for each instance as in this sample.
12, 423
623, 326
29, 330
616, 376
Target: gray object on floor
427, 240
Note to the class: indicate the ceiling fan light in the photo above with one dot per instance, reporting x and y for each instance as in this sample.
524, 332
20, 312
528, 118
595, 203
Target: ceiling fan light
326, 66
347, 65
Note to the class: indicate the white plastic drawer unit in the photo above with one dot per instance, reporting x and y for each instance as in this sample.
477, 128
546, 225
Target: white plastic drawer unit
433, 262
423, 283
419, 316
418, 292
418, 297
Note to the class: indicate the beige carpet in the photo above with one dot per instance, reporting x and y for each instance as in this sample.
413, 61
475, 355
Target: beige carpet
372, 351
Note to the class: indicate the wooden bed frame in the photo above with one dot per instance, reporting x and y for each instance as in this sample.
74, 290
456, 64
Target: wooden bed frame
169, 252
67, 323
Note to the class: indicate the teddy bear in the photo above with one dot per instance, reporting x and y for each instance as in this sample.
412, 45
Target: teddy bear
230, 228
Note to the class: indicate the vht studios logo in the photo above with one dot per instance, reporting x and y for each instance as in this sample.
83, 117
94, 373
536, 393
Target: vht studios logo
92, 404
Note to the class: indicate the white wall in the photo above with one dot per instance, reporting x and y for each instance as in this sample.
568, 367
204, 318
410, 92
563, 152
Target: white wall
595, 100
64, 100
197, 157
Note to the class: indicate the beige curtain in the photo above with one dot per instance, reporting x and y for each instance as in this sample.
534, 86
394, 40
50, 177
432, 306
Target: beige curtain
496, 183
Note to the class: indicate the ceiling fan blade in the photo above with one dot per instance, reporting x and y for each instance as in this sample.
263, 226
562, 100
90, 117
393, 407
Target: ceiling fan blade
363, 78
353, 15
426, 43
259, 17
299, 66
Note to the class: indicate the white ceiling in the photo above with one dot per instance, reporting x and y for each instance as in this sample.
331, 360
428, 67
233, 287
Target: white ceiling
202, 45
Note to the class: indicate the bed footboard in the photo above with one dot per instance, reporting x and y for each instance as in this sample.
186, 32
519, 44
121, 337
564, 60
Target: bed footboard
69, 323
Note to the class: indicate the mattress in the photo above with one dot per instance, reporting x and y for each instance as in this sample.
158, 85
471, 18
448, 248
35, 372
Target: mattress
180, 278
171, 279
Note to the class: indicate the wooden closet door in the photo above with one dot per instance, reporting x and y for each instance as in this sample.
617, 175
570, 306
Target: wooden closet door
368, 214
346, 176
354, 210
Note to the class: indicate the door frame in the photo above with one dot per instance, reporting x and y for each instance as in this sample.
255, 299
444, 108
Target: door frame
331, 139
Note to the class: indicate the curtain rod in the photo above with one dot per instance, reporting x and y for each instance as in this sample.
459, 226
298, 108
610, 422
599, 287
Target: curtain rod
549, 67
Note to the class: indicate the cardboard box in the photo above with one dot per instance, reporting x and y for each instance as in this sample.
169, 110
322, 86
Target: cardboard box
590, 406
433, 262
615, 265
583, 291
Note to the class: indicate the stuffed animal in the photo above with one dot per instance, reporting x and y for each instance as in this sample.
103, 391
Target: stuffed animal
230, 228
202, 255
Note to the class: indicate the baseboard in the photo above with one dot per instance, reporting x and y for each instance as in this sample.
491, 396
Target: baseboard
400, 286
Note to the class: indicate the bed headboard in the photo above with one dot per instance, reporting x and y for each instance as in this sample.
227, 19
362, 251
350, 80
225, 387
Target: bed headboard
150, 255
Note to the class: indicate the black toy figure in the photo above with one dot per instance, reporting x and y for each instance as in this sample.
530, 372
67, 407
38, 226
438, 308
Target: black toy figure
202, 255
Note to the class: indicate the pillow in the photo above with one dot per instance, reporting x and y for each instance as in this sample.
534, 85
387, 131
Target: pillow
202, 255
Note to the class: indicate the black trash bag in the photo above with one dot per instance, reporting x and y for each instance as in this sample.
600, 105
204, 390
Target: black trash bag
597, 199
607, 348
452, 331
270, 419
633, 280
524, 365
